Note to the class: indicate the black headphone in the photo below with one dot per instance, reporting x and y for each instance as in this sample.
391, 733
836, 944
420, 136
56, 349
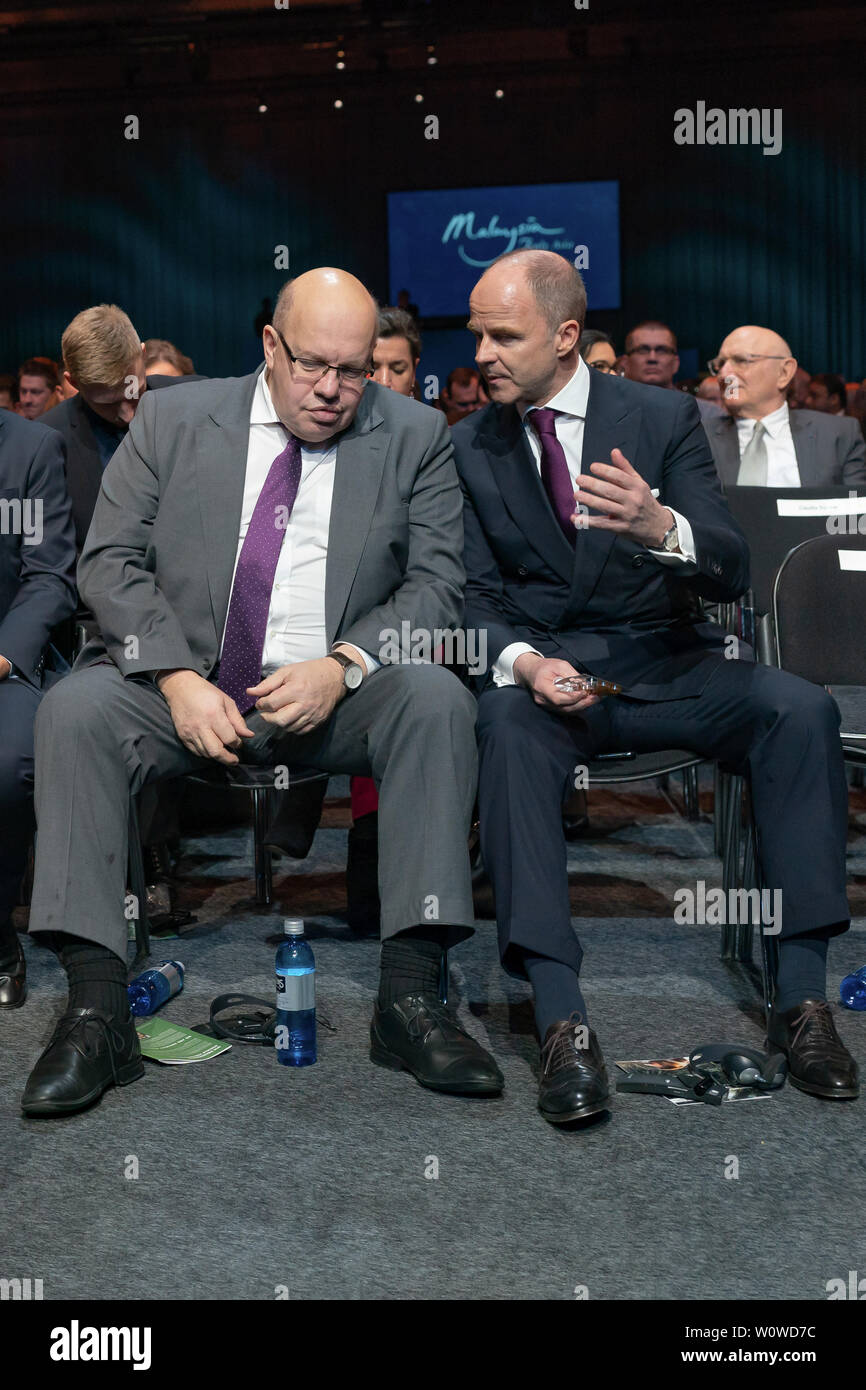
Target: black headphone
743, 1066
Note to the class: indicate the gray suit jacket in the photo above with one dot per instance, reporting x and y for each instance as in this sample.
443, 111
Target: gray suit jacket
830, 449
157, 564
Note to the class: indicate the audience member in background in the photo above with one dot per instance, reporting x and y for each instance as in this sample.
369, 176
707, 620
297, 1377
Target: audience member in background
8, 391
851, 389
651, 357
37, 591
857, 408
104, 359
708, 389
162, 358
462, 394
760, 441
597, 349
39, 388
397, 351
798, 388
256, 643
827, 393
404, 302
593, 521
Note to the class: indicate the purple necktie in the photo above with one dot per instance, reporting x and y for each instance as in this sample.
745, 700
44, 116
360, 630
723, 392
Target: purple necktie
554, 470
247, 621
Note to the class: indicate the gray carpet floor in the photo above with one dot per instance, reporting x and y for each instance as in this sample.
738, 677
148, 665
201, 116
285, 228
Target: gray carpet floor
254, 1178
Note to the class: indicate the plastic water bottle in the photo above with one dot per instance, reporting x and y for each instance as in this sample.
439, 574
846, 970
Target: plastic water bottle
852, 991
153, 987
296, 997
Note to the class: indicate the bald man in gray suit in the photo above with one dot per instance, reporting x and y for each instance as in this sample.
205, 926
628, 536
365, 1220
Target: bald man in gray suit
260, 551
759, 442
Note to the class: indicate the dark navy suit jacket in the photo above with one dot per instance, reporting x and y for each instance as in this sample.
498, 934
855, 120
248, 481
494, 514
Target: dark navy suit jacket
608, 605
37, 581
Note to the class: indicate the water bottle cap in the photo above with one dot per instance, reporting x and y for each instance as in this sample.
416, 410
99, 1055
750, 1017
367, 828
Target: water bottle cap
293, 926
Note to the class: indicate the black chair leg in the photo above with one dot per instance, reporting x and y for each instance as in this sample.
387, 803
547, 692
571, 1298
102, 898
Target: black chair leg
138, 882
264, 878
690, 793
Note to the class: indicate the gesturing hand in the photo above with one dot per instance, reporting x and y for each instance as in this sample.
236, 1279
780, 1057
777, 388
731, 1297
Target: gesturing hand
625, 498
300, 697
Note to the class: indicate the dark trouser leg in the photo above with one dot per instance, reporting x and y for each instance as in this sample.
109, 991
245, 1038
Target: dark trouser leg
527, 759
18, 704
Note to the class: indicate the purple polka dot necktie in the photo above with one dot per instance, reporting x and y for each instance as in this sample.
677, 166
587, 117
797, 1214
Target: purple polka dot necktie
554, 470
247, 621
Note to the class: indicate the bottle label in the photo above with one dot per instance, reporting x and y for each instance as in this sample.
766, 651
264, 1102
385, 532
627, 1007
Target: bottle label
172, 974
296, 992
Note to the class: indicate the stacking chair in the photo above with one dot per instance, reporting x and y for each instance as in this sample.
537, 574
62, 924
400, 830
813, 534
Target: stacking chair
816, 630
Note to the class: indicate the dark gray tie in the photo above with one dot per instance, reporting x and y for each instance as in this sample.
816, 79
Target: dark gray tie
753, 460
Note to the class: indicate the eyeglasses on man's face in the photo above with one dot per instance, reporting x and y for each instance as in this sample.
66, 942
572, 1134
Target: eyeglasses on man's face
648, 349
742, 364
312, 369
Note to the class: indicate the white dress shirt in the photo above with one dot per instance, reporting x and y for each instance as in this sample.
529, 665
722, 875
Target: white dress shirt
572, 402
782, 470
296, 616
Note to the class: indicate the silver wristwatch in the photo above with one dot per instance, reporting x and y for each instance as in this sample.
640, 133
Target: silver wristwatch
353, 674
671, 539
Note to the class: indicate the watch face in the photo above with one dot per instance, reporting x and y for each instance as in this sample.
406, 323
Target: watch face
353, 677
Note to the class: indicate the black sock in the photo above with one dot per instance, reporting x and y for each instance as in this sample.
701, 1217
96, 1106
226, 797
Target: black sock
97, 977
802, 969
410, 964
8, 946
556, 988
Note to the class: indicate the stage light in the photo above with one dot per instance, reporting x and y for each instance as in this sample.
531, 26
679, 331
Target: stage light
419, 96
262, 108
499, 93
338, 105
432, 60
340, 66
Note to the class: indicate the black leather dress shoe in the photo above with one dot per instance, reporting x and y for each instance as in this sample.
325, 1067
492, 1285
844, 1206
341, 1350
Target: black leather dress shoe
88, 1052
13, 983
818, 1060
418, 1034
573, 1082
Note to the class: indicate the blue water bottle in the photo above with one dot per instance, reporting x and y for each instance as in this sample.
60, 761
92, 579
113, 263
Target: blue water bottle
852, 991
296, 997
153, 987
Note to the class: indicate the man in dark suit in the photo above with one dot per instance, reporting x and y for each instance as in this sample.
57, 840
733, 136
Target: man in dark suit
258, 548
37, 591
760, 441
616, 596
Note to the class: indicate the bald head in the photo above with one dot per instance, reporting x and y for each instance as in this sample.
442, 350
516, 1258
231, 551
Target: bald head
755, 368
526, 313
327, 321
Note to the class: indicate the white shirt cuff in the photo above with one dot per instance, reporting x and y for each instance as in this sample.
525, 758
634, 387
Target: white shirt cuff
687, 553
503, 666
369, 661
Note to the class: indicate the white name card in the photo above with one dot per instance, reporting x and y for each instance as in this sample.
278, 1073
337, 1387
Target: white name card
852, 559
820, 506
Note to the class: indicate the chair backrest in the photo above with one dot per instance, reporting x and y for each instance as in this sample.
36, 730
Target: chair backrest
819, 610
771, 535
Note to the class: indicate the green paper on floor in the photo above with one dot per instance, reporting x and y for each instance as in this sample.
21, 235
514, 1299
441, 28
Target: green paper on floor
167, 1042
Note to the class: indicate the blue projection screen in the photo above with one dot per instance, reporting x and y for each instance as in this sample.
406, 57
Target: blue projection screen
441, 241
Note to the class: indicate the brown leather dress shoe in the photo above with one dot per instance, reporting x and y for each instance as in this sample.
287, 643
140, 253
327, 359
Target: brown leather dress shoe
573, 1082
818, 1060
13, 983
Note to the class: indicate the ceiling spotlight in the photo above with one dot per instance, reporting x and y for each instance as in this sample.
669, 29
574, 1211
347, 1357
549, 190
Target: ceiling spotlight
340, 65
432, 60
499, 93
419, 96
341, 53
338, 105
262, 108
